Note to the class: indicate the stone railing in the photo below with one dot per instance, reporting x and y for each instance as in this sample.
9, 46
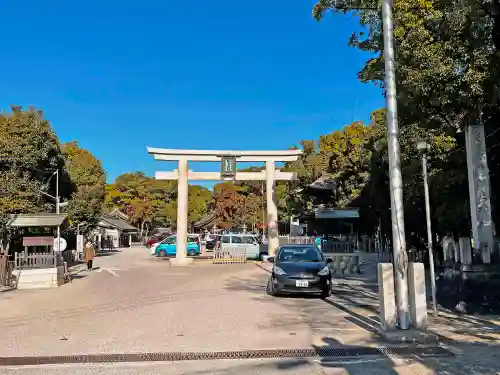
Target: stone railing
344, 264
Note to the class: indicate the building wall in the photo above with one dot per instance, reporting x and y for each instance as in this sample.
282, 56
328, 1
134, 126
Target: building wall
118, 238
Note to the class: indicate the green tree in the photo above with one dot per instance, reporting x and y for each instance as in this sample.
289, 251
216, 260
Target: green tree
445, 57
89, 179
199, 199
152, 203
293, 196
446, 73
29, 155
137, 196
349, 152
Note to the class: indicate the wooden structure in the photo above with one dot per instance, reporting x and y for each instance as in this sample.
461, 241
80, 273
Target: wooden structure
37, 265
32, 257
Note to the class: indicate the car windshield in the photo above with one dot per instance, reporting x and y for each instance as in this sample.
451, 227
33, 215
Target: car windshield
299, 254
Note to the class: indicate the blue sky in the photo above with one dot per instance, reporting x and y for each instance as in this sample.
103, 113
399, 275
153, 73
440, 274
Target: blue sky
121, 75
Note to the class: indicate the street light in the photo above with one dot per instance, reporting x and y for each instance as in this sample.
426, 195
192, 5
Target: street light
58, 206
423, 146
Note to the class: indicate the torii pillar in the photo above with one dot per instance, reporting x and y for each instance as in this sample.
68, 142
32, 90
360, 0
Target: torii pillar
272, 209
183, 175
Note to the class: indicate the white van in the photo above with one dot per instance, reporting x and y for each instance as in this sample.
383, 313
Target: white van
250, 242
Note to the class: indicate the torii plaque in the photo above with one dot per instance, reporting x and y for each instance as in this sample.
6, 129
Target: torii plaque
228, 172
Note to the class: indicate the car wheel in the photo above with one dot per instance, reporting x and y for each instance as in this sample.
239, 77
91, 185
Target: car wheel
191, 252
327, 292
261, 256
162, 253
270, 290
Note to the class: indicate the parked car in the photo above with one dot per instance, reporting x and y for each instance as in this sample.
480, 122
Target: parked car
168, 247
211, 241
301, 269
249, 242
155, 239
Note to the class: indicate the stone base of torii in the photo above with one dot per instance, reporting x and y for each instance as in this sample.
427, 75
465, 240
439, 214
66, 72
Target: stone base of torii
182, 174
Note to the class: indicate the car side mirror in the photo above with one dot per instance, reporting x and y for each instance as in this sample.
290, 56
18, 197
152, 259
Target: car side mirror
329, 260
269, 259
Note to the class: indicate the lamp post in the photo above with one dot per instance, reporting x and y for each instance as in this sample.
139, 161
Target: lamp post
58, 206
423, 146
58, 211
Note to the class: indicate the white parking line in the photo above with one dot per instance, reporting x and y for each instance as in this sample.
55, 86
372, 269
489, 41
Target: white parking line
109, 270
112, 272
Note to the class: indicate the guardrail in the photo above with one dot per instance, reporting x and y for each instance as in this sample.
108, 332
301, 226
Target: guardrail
229, 255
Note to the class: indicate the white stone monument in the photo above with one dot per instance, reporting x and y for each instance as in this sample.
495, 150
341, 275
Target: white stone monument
417, 295
479, 191
228, 172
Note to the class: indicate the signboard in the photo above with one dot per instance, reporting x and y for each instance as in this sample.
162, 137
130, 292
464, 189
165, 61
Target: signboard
62, 244
38, 241
79, 245
228, 166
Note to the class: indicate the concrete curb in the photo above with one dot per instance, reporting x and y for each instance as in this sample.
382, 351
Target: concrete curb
410, 336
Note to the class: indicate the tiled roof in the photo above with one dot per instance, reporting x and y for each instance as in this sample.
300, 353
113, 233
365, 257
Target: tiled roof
118, 223
36, 220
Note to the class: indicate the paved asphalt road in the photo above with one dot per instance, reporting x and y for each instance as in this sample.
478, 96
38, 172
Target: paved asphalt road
135, 303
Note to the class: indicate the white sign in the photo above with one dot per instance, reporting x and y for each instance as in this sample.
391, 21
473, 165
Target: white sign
79, 244
62, 244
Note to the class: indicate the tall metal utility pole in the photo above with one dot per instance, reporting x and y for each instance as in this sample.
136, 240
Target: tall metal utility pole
424, 146
58, 199
395, 178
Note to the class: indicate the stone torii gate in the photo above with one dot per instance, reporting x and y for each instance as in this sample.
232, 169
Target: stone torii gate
228, 172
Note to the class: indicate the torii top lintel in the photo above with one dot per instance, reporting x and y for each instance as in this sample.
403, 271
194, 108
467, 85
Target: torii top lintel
166, 154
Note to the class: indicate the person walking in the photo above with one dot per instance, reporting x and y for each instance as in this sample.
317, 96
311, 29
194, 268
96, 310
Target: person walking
88, 254
110, 243
317, 240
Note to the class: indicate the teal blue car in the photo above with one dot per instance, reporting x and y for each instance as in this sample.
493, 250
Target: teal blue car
168, 246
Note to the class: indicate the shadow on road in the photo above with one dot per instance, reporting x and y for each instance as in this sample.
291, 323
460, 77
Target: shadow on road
106, 253
78, 276
358, 301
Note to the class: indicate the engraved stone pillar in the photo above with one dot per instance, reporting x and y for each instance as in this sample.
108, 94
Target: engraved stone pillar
447, 244
388, 312
465, 250
479, 191
456, 252
417, 294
